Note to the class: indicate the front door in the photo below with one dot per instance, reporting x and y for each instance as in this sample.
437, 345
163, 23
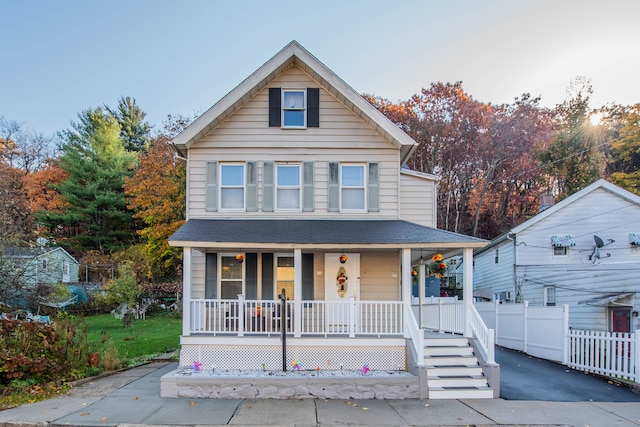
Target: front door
342, 281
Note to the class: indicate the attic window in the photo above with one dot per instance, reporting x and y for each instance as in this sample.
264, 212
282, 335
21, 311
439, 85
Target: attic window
294, 108
562, 241
634, 239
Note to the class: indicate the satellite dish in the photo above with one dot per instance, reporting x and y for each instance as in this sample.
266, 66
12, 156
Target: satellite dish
42, 241
599, 241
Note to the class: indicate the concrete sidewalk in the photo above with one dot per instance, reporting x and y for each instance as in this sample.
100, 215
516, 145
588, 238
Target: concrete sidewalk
132, 397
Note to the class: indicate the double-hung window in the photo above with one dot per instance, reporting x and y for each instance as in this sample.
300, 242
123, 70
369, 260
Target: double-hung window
294, 108
231, 277
288, 187
353, 188
232, 186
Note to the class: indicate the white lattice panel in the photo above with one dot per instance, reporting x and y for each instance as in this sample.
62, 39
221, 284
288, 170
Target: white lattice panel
310, 357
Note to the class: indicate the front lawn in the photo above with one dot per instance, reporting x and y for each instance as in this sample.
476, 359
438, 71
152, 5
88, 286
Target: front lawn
157, 334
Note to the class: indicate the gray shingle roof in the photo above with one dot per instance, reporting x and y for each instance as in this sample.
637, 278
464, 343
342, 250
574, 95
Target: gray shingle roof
315, 231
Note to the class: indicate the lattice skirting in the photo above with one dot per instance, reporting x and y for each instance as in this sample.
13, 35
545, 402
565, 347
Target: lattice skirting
310, 357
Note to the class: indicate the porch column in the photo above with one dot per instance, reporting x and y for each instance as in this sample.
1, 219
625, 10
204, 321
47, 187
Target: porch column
467, 288
422, 269
186, 291
297, 292
405, 286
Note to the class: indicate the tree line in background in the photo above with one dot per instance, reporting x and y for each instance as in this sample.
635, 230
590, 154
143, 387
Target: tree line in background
495, 161
111, 192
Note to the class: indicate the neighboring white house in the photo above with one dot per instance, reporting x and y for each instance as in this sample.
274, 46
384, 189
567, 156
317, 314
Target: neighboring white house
296, 188
583, 252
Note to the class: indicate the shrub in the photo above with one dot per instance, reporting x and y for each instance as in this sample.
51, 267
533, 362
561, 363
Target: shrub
33, 351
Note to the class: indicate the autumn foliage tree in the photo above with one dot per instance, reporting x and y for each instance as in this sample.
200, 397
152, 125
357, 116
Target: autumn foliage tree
156, 193
481, 153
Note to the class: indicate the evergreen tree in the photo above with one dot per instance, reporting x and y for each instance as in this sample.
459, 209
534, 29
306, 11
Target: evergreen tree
134, 131
94, 215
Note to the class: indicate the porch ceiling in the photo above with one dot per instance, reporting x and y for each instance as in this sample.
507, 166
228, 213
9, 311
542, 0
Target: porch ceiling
316, 233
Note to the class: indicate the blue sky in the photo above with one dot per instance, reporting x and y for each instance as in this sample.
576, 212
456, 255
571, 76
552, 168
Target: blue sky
180, 57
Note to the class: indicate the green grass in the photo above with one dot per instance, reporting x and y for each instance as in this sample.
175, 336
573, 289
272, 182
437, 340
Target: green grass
157, 334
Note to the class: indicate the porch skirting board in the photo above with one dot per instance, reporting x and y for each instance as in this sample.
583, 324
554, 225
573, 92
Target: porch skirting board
173, 385
310, 357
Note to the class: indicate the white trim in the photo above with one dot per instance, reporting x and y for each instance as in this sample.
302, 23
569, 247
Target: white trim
288, 187
283, 108
365, 173
243, 280
221, 186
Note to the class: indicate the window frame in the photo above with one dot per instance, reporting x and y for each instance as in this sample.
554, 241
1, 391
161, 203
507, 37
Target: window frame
277, 289
557, 249
297, 187
549, 296
222, 187
363, 188
243, 280
284, 110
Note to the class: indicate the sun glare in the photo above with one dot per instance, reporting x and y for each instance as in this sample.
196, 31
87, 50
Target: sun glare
595, 118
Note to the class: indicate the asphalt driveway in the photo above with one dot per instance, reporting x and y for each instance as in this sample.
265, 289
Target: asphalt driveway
524, 377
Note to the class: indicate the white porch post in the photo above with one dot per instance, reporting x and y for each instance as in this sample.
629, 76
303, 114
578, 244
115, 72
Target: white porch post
467, 288
422, 269
297, 292
405, 286
186, 291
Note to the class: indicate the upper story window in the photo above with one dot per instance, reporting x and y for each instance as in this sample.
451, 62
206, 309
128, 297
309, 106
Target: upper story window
288, 187
232, 186
293, 108
561, 244
496, 257
353, 187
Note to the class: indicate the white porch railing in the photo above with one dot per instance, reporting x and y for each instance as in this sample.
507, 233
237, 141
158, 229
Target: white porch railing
448, 315
612, 354
484, 335
324, 318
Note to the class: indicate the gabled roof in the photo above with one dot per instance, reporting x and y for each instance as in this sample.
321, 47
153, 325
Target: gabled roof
314, 233
599, 184
35, 252
294, 54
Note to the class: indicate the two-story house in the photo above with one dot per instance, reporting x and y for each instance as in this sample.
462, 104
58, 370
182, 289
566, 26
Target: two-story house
302, 216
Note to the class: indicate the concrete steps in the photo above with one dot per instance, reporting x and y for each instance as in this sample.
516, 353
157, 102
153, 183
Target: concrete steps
453, 371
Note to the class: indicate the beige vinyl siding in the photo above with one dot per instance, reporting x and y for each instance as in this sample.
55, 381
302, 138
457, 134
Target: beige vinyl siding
341, 137
380, 276
198, 259
417, 197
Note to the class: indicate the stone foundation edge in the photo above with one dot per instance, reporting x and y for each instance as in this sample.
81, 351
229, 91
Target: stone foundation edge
173, 385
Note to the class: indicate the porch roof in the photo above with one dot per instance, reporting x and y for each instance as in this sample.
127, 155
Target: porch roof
317, 233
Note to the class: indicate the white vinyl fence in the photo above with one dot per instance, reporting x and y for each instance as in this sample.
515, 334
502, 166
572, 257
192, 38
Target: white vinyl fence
538, 331
544, 332
612, 354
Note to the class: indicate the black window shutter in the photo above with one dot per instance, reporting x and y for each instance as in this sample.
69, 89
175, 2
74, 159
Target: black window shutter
307, 277
275, 106
251, 276
267, 276
313, 107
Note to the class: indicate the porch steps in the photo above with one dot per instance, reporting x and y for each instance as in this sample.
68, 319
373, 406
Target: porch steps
453, 371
